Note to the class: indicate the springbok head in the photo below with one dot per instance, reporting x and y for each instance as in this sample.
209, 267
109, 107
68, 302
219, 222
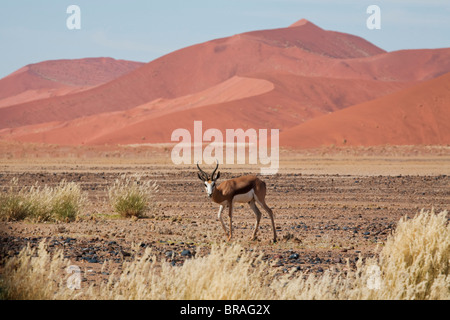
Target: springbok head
209, 181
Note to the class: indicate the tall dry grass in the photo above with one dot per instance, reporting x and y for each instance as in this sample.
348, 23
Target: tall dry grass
414, 264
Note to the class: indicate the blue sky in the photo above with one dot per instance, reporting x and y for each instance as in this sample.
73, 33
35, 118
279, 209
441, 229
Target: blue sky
33, 31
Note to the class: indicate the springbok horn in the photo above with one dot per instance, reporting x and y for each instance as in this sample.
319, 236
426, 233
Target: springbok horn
212, 176
204, 174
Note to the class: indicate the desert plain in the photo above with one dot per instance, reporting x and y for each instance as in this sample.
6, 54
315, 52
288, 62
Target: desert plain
332, 206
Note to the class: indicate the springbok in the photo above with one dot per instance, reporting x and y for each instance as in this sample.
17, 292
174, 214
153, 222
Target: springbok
249, 189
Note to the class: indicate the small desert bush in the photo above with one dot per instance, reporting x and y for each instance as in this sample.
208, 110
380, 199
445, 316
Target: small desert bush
132, 197
60, 203
414, 264
14, 203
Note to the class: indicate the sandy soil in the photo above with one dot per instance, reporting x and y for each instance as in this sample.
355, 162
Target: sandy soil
329, 208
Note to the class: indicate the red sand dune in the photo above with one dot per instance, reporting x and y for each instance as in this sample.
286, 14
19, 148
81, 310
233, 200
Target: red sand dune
272, 101
197, 68
86, 129
418, 115
60, 77
281, 107
278, 101
403, 65
277, 78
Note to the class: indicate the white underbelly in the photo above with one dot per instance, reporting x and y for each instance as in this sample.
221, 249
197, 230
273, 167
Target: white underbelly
244, 197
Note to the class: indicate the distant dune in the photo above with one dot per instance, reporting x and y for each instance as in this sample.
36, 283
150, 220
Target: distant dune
303, 80
60, 77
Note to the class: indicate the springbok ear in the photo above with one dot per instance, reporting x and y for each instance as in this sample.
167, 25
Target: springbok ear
200, 177
217, 176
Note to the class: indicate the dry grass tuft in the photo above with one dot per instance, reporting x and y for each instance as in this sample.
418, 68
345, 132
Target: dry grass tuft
14, 204
132, 197
61, 203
